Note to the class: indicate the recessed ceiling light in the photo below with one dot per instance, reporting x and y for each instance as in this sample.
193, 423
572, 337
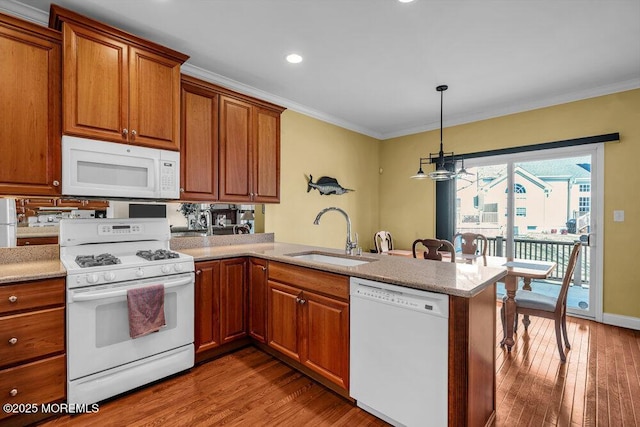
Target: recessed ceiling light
405, 1
294, 58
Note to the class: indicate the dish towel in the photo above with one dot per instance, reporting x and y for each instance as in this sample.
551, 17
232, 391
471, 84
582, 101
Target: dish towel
146, 310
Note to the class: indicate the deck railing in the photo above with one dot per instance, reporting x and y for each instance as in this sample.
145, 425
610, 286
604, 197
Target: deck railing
544, 250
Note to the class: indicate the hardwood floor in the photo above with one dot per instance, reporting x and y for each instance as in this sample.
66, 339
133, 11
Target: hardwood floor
598, 386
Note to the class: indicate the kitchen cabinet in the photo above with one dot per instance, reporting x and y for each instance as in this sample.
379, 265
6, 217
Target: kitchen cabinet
220, 304
32, 363
31, 241
249, 151
308, 319
137, 83
257, 289
30, 108
199, 141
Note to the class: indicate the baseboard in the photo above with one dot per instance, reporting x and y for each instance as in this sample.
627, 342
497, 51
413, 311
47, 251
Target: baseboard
622, 321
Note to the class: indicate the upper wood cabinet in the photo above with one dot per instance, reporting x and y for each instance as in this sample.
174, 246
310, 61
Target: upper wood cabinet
230, 145
249, 151
116, 86
199, 141
30, 108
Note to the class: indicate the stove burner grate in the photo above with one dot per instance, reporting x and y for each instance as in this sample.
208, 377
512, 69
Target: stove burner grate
96, 260
158, 254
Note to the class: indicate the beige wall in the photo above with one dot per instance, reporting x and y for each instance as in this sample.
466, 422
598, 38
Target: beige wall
407, 206
310, 146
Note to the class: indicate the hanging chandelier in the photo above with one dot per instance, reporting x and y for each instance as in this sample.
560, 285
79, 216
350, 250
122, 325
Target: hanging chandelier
441, 159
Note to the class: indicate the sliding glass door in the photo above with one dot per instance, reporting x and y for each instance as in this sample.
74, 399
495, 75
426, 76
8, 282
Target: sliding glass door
536, 205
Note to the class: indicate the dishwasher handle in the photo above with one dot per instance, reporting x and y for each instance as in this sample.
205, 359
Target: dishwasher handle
92, 296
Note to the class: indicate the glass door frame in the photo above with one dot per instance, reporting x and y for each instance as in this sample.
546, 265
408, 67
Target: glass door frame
596, 151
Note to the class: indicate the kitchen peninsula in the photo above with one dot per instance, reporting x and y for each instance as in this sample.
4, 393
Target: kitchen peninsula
471, 362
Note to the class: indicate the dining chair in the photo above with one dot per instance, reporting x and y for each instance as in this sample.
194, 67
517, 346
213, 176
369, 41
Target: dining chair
531, 303
383, 241
469, 243
433, 248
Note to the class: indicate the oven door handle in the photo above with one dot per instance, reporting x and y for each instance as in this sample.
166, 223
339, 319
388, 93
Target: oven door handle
91, 296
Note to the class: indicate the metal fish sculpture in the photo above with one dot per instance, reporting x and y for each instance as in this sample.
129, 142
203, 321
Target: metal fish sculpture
326, 185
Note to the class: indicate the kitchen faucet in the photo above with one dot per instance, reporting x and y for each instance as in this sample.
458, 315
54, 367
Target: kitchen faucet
350, 245
209, 220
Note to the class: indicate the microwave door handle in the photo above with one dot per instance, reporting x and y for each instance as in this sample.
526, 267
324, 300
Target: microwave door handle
91, 296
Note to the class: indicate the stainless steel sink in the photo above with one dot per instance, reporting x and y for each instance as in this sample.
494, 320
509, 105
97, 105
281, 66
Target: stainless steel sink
331, 258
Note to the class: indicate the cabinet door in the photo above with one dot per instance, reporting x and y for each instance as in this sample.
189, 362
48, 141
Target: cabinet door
96, 84
233, 299
207, 309
284, 315
258, 299
154, 104
325, 337
30, 109
266, 156
199, 143
235, 150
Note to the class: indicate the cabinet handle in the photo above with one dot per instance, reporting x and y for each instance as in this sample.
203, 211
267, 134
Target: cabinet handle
133, 133
13, 298
14, 392
300, 300
198, 272
182, 190
264, 268
13, 341
125, 131
56, 183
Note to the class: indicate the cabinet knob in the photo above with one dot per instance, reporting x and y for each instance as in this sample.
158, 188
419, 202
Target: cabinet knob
133, 133
300, 300
13, 298
198, 272
264, 268
125, 131
56, 183
14, 392
13, 341
182, 190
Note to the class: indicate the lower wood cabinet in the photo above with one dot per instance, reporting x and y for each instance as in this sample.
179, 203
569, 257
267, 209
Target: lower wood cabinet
257, 287
32, 358
220, 303
31, 241
310, 326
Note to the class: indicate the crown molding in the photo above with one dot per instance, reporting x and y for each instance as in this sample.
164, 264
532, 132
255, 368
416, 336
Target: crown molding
237, 86
23, 11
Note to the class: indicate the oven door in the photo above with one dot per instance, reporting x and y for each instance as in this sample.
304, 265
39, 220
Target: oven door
98, 324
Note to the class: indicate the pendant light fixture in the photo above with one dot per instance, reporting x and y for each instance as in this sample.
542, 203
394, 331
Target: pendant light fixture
442, 173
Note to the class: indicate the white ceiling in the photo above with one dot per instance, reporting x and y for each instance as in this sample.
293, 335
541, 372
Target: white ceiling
372, 65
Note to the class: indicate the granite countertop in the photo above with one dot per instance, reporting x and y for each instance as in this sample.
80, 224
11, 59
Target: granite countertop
459, 279
30, 263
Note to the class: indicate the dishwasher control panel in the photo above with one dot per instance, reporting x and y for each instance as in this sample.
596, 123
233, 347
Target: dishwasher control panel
412, 299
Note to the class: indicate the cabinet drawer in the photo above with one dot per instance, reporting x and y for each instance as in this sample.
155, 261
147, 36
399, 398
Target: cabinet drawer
30, 295
30, 241
30, 335
318, 281
38, 382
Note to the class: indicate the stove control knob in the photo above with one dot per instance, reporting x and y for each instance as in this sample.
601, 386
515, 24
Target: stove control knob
179, 267
92, 278
166, 269
140, 272
109, 276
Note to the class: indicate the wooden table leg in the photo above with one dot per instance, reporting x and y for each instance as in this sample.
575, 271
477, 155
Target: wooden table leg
510, 284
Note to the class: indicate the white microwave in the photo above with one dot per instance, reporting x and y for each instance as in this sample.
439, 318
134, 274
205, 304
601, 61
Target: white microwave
108, 169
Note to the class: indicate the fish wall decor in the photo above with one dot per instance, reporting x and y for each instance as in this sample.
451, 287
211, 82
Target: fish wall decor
326, 185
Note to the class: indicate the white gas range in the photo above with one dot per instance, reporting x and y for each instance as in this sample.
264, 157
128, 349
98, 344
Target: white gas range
105, 259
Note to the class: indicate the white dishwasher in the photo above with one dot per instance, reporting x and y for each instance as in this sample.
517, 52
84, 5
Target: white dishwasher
399, 353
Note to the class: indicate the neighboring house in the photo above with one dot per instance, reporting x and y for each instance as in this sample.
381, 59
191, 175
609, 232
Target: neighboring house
549, 194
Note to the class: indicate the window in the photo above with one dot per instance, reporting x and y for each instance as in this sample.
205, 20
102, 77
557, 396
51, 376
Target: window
521, 211
517, 189
585, 188
584, 204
